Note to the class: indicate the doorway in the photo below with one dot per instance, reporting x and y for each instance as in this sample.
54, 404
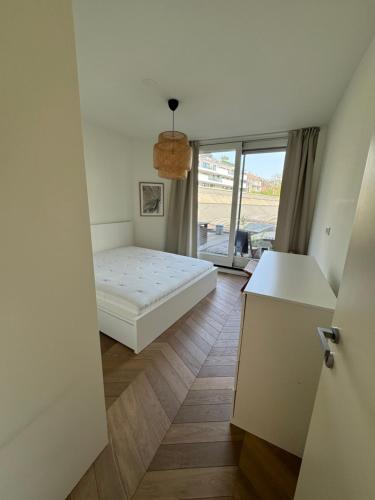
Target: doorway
239, 187
218, 181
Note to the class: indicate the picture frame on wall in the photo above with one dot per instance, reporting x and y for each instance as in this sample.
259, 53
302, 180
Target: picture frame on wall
151, 199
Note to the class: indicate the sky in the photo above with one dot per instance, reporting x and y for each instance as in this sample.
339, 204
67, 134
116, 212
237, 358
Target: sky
265, 165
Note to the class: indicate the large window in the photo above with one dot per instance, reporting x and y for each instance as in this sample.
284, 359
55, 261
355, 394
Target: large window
259, 201
238, 203
217, 199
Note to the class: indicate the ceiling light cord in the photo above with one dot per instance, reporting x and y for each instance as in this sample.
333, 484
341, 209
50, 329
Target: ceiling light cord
173, 105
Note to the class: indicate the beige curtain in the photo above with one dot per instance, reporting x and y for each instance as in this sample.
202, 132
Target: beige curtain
293, 223
182, 213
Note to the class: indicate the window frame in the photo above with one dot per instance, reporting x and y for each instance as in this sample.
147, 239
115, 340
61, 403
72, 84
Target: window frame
264, 143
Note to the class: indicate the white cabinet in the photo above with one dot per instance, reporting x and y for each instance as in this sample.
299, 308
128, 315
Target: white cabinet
280, 358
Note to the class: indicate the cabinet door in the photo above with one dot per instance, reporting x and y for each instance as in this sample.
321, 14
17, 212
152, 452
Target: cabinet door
243, 310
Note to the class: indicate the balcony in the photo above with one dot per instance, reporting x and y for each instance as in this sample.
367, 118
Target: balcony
215, 239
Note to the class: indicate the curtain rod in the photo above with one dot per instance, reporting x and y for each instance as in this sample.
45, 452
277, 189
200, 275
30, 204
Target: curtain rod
244, 138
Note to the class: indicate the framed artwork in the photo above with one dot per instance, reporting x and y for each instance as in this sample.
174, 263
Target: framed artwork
151, 199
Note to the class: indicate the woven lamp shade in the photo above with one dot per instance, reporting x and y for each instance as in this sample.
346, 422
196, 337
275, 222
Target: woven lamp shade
172, 155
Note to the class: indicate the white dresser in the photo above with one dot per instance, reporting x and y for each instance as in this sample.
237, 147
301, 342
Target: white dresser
280, 357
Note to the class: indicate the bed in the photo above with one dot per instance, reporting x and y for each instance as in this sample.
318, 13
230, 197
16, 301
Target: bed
141, 292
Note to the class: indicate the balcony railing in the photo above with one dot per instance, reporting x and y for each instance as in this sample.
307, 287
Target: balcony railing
215, 239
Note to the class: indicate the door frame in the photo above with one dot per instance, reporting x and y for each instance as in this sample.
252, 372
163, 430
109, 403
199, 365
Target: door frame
226, 260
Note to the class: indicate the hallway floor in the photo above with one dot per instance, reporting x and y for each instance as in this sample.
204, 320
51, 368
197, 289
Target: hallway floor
199, 455
169, 410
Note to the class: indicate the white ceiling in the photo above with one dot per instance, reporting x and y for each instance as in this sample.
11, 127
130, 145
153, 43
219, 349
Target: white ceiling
239, 67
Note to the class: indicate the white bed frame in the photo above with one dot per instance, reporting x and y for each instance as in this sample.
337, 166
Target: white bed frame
139, 332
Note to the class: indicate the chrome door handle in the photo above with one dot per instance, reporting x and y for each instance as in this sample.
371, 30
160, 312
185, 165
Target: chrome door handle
326, 334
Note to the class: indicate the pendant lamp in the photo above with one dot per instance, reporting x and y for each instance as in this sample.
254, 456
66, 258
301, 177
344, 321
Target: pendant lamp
172, 152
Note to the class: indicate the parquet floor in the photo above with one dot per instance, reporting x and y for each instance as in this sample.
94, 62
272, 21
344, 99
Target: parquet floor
168, 412
199, 455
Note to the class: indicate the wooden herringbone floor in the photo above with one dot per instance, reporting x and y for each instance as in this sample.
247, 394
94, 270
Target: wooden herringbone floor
199, 455
169, 408
168, 414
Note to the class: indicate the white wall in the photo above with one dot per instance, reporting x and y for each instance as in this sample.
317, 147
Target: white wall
115, 164
109, 174
347, 145
53, 420
149, 231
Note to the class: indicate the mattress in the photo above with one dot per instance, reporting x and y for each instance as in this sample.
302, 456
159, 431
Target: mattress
131, 280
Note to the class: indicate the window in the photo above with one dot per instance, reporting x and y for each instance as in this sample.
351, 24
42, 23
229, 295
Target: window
238, 204
215, 178
259, 200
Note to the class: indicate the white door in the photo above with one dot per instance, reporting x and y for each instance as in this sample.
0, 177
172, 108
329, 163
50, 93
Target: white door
218, 176
339, 458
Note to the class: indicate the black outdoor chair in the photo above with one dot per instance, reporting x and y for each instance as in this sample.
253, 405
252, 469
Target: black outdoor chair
243, 245
242, 242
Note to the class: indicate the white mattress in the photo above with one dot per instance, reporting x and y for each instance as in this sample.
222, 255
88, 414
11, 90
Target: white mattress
130, 280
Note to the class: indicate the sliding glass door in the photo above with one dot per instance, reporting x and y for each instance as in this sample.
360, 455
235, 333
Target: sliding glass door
258, 205
218, 190
238, 199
